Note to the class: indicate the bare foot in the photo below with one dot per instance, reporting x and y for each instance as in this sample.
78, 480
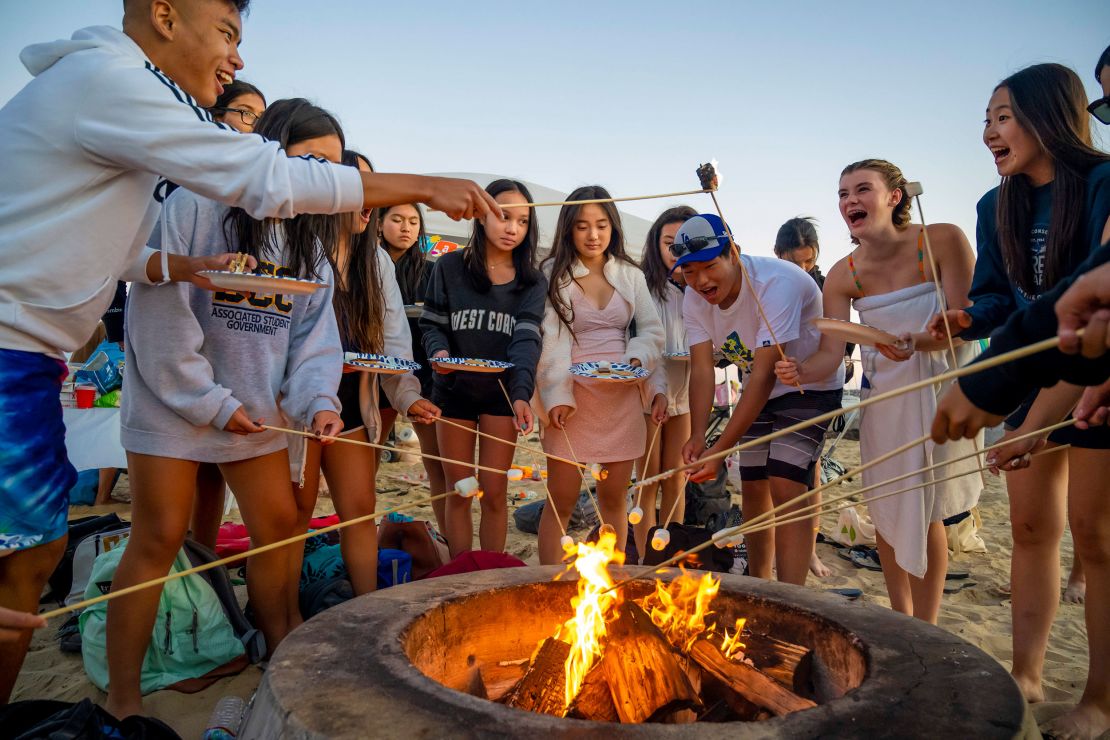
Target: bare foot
1031, 689
1076, 592
1085, 722
817, 568
123, 710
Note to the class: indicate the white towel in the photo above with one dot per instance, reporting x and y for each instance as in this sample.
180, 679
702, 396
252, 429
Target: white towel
903, 520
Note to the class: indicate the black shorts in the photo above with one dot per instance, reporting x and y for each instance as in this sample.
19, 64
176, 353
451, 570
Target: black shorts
1095, 438
461, 395
348, 396
792, 456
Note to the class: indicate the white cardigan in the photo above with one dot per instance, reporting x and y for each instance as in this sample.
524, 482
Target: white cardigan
554, 384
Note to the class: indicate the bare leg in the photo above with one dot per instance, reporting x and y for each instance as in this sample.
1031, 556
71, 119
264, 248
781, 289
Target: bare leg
104, 486
208, 506
793, 542
22, 575
755, 497
350, 471
928, 591
304, 499
457, 444
494, 526
1089, 514
265, 495
816, 567
1038, 497
897, 580
437, 481
675, 433
564, 482
611, 497
1076, 590
648, 495
162, 491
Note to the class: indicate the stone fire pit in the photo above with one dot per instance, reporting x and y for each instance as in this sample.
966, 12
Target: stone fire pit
393, 664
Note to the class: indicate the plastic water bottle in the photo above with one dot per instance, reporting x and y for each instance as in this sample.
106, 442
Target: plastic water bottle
225, 720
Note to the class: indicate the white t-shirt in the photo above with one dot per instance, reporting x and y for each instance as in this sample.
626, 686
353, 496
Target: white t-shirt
791, 300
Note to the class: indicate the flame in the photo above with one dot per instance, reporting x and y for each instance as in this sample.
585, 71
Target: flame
731, 645
680, 608
586, 630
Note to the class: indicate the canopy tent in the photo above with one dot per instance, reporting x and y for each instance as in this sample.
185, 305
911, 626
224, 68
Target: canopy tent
446, 234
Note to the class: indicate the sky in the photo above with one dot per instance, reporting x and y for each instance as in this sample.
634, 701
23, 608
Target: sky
634, 95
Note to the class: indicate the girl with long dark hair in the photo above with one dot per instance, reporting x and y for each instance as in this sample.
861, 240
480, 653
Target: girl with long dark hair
669, 386
371, 316
486, 302
205, 370
595, 292
1049, 212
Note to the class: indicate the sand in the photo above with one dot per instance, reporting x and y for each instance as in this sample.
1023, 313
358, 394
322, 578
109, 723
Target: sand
979, 614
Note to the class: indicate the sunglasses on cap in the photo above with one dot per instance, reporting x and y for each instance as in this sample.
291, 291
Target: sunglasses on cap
695, 244
1100, 109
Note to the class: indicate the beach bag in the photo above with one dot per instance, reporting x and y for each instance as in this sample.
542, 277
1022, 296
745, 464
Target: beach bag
102, 533
192, 637
707, 504
962, 532
60, 720
527, 517
853, 529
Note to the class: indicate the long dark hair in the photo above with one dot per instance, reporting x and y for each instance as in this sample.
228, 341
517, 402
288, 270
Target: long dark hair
413, 264
651, 262
360, 306
308, 237
797, 233
524, 256
236, 89
563, 253
1050, 104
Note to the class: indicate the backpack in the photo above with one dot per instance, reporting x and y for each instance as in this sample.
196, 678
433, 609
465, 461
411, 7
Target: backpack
88, 538
59, 720
192, 637
707, 504
684, 538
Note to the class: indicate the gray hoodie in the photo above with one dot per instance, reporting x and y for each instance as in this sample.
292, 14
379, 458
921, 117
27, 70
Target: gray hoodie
194, 356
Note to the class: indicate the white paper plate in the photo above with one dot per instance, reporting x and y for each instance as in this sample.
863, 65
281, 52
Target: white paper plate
680, 356
619, 372
382, 364
472, 364
851, 332
414, 310
245, 282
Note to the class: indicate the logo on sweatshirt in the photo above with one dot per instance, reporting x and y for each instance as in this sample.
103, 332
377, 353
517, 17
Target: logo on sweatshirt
735, 352
479, 319
255, 313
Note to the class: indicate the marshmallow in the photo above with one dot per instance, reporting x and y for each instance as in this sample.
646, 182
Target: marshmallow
604, 367
606, 529
468, 488
514, 474
567, 542
598, 472
635, 515
660, 539
913, 189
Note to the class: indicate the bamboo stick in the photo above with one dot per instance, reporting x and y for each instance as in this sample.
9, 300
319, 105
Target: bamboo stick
517, 445
536, 464
604, 200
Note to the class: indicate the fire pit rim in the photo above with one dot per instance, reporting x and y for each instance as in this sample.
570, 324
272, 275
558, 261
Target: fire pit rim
393, 612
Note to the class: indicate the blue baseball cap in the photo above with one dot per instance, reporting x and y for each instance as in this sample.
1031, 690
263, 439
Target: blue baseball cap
700, 239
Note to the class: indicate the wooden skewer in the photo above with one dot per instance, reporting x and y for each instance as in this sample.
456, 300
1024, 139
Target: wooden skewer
586, 483
237, 557
1015, 354
535, 463
647, 461
603, 200
377, 446
796, 516
517, 445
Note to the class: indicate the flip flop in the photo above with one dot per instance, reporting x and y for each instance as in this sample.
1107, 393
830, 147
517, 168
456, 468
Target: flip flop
849, 593
958, 586
868, 560
956, 575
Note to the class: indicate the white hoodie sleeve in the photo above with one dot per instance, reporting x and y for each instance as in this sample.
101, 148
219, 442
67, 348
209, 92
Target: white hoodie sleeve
403, 390
138, 119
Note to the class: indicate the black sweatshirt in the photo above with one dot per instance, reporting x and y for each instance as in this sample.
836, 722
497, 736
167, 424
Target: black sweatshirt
500, 324
1001, 389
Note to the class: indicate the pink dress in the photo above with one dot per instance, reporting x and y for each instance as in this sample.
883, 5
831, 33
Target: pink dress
608, 421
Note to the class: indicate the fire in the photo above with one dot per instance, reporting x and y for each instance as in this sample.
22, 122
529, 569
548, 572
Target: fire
731, 645
586, 630
680, 608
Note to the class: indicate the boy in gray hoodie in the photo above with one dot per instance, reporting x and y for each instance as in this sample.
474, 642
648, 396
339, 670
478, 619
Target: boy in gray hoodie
84, 145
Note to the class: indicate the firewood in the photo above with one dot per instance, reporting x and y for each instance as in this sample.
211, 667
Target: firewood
643, 674
541, 689
748, 681
594, 701
789, 664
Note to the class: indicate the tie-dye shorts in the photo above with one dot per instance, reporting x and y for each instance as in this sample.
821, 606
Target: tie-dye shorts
35, 473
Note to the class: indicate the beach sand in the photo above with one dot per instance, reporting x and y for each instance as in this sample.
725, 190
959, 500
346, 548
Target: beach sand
979, 614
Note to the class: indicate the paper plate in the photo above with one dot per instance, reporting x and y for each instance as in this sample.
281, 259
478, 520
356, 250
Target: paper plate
682, 356
619, 372
857, 333
246, 282
472, 364
383, 364
414, 310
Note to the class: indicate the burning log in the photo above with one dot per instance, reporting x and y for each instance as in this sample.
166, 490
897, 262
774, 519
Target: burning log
789, 664
748, 681
594, 700
643, 674
541, 688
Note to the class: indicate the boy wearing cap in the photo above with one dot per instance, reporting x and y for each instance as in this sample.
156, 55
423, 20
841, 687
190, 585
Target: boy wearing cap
730, 299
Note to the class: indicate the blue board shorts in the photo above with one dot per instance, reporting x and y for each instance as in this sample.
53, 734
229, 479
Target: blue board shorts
35, 472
